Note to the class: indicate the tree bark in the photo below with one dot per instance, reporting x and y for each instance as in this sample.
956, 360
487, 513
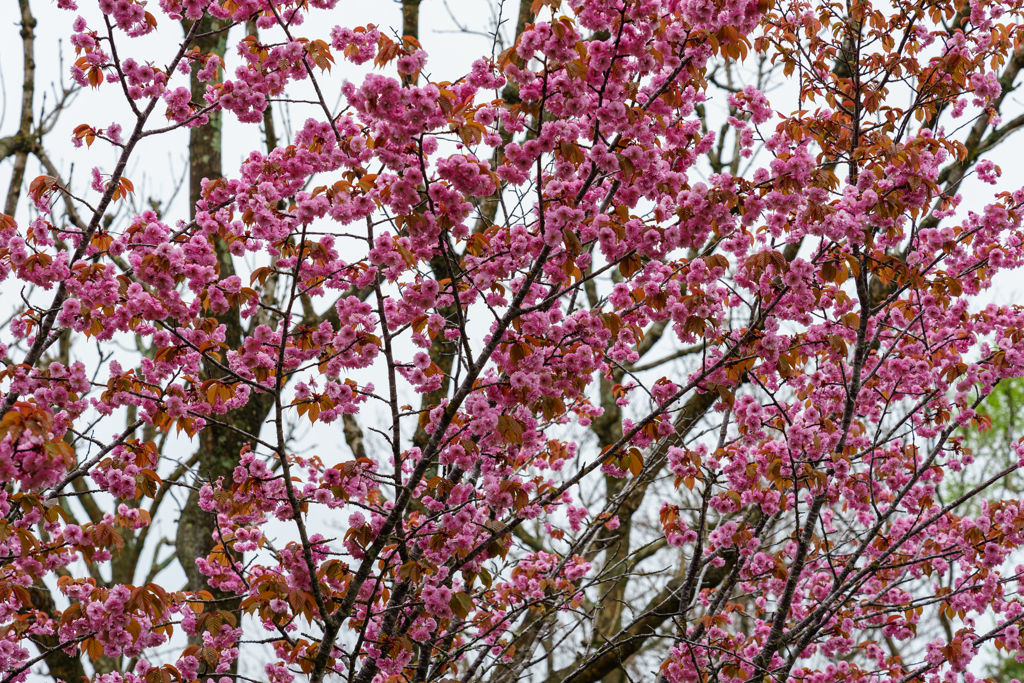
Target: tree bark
219, 447
20, 143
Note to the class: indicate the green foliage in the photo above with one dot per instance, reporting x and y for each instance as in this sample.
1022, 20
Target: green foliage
1006, 670
992, 448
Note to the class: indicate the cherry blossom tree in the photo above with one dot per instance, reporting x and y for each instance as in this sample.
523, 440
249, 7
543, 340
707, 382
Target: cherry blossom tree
627, 391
